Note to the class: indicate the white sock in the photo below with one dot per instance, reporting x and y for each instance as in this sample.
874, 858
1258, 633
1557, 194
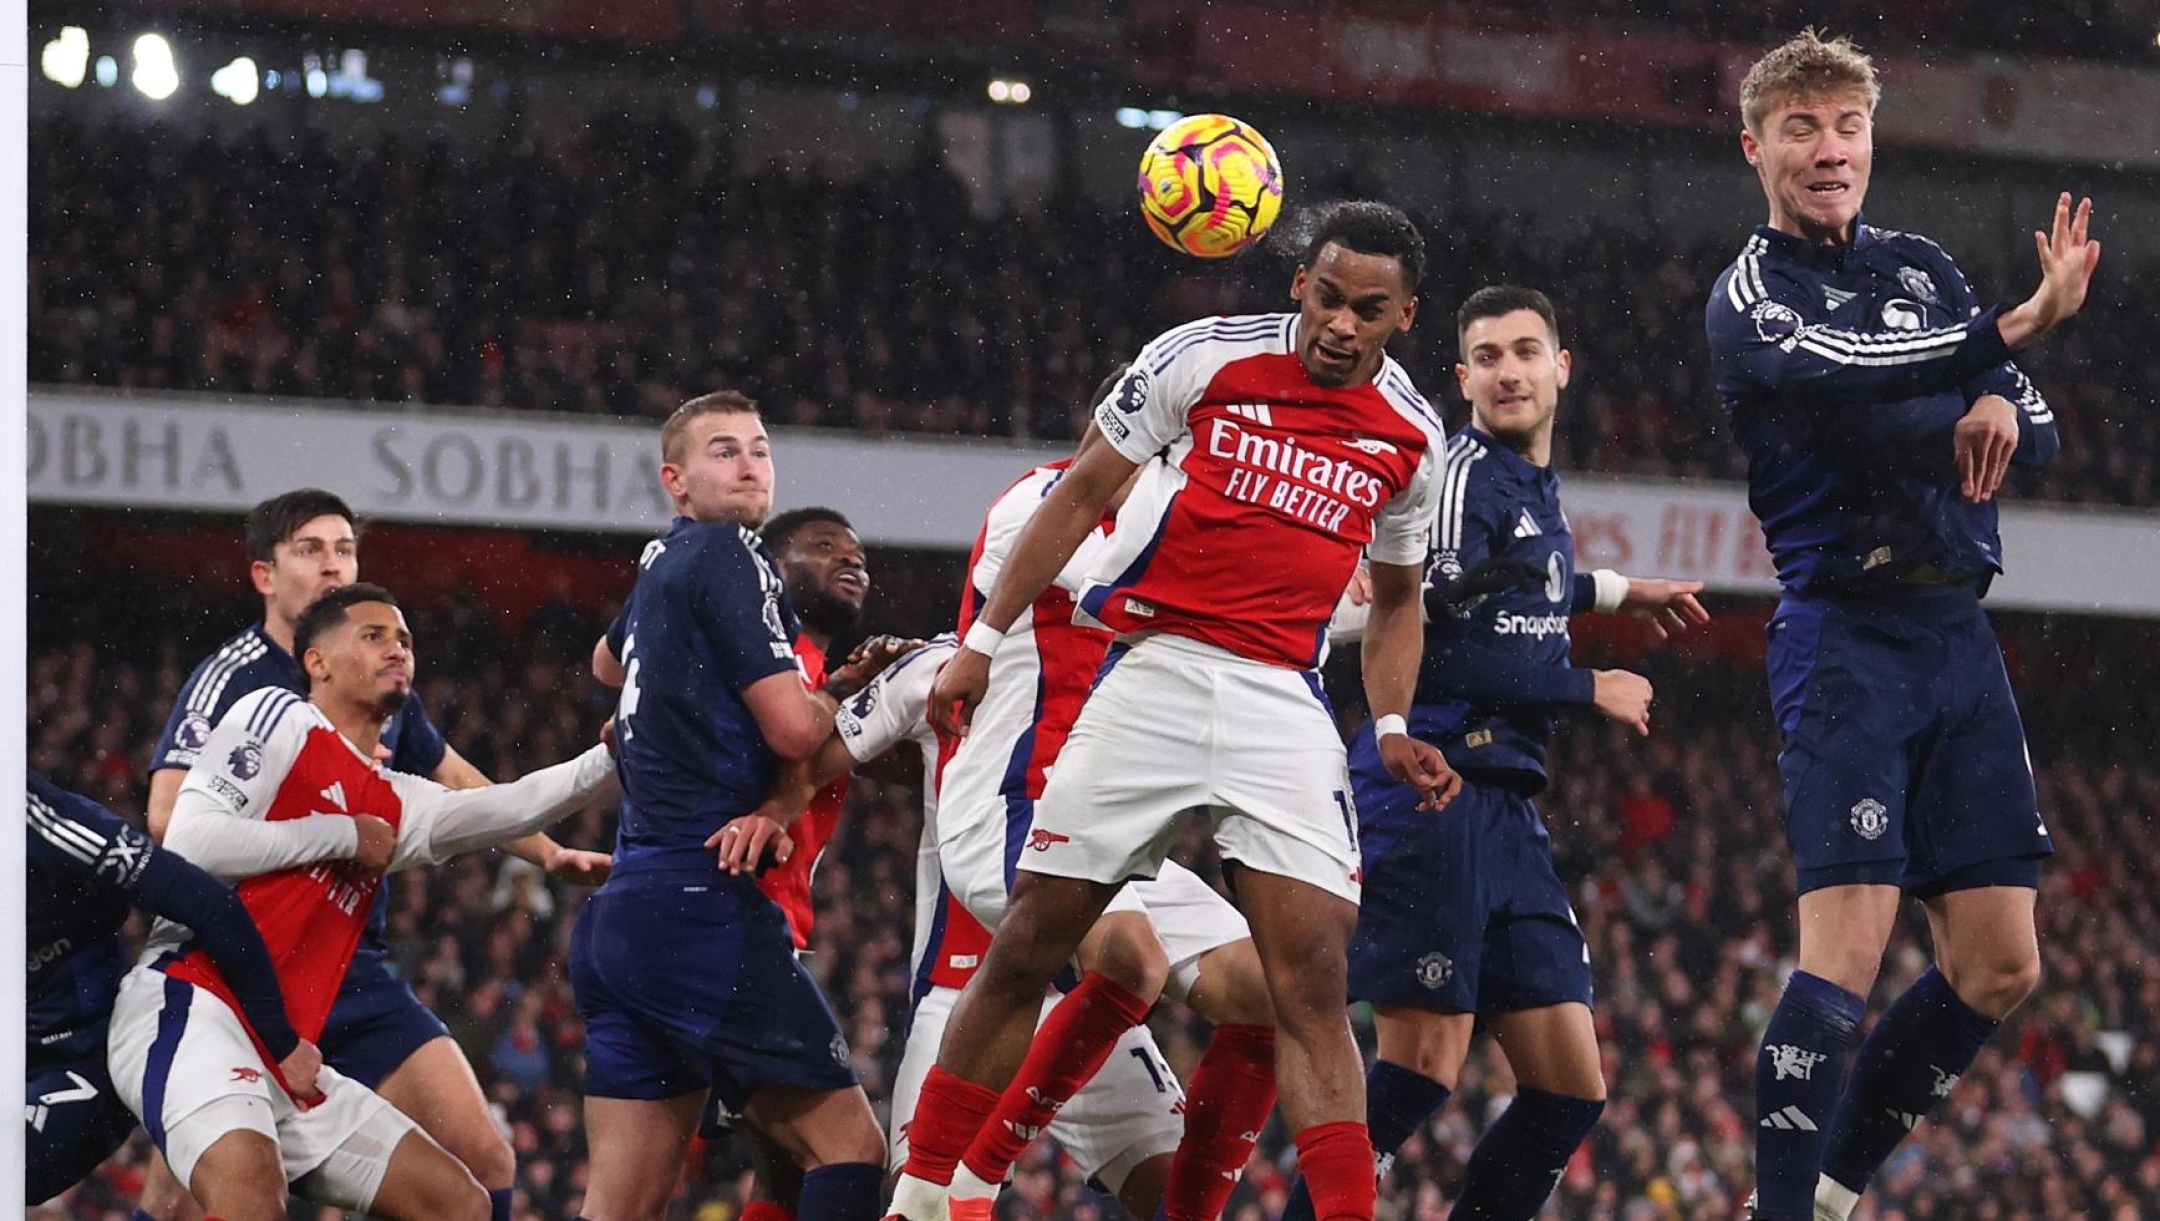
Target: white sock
967, 1185
918, 1199
1834, 1201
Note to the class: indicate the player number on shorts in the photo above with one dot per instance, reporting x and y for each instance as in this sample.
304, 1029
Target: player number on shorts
1156, 1071
626, 704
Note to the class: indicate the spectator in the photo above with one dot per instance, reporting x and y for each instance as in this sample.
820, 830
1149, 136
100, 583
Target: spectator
600, 275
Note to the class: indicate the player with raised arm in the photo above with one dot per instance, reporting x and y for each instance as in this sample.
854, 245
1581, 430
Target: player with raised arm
686, 975
1879, 410
300, 545
1276, 448
288, 800
1464, 916
1172, 934
1123, 1126
87, 870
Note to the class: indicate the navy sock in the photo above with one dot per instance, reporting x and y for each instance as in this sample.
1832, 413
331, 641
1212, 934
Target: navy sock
499, 1203
1905, 1069
1521, 1157
843, 1191
1799, 1074
1397, 1103
140, 1215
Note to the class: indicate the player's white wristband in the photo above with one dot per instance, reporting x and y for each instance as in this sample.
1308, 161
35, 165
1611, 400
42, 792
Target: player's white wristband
1389, 725
982, 638
1611, 589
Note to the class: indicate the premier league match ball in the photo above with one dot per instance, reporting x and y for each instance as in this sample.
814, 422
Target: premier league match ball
1210, 185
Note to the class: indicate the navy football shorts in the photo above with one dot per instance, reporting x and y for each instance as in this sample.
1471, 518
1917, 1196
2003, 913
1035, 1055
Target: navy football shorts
1904, 759
1463, 912
375, 1024
689, 983
73, 1121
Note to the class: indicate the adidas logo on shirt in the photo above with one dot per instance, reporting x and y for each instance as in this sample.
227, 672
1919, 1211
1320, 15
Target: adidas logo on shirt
1525, 527
335, 795
1834, 298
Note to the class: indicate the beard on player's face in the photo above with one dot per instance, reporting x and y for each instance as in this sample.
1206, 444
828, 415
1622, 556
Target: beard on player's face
1518, 416
823, 609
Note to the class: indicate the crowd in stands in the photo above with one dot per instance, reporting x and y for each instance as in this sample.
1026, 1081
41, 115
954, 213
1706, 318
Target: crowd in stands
2082, 29
620, 268
1672, 848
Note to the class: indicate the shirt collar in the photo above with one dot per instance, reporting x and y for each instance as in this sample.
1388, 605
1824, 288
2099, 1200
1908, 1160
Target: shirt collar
1507, 460
1812, 254
274, 649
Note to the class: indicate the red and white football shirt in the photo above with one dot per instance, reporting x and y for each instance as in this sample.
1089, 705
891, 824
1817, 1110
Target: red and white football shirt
1269, 487
788, 883
895, 708
269, 805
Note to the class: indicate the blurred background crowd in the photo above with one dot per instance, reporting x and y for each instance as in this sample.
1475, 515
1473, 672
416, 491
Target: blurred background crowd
618, 270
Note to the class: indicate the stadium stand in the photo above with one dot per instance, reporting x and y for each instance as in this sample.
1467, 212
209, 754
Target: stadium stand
576, 275
2090, 29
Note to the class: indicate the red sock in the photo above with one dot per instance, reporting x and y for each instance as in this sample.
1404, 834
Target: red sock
1226, 1104
1071, 1045
949, 1113
1337, 1162
766, 1210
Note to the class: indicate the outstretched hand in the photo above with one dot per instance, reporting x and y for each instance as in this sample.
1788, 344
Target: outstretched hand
1669, 607
579, 867
2068, 256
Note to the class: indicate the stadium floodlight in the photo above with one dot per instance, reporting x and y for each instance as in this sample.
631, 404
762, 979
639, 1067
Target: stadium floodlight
1131, 117
156, 75
1001, 91
1008, 92
66, 59
1162, 119
1021, 93
238, 82
108, 71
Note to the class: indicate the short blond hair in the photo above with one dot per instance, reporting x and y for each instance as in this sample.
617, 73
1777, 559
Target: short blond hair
719, 402
1806, 66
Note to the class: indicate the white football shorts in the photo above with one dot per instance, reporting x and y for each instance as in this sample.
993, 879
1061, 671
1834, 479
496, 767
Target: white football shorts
183, 1063
1189, 916
1131, 1111
1175, 725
